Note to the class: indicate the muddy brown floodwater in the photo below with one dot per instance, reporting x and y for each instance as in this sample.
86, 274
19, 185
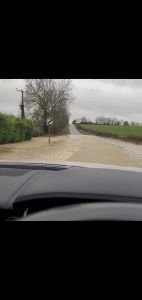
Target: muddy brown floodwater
73, 147
94, 149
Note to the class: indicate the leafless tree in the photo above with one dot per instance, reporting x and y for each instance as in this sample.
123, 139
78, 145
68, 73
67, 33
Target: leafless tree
126, 123
83, 120
48, 97
100, 120
107, 121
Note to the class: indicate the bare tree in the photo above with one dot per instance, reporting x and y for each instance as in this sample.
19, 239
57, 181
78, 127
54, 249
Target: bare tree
133, 123
83, 120
126, 123
48, 97
107, 121
100, 120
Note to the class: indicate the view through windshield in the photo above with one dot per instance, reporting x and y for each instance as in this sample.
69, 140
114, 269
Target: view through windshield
78, 120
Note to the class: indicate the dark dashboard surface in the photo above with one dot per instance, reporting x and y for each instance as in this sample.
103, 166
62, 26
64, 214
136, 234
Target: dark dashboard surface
21, 182
90, 212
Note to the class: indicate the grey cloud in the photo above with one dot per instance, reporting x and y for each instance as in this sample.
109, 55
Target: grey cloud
125, 82
9, 97
120, 98
113, 101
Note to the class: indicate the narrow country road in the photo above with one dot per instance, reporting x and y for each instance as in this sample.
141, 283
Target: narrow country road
73, 129
75, 147
106, 151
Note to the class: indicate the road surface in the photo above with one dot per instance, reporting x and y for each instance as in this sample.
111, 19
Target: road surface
73, 129
75, 147
106, 151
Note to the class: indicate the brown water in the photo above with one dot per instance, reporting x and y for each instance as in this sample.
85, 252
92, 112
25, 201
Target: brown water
82, 148
100, 150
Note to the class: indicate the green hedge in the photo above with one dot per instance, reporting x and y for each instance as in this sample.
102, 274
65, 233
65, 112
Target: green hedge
14, 129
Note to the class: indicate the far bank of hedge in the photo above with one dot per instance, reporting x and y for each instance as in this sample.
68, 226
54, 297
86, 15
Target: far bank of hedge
14, 129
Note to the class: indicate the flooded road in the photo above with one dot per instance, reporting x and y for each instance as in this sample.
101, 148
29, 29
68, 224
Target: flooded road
94, 149
134, 150
60, 148
75, 147
73, 130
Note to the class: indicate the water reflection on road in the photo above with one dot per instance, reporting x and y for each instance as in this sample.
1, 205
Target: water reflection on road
131, 150
134, 150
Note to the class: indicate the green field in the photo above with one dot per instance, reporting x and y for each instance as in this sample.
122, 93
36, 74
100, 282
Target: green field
124, 132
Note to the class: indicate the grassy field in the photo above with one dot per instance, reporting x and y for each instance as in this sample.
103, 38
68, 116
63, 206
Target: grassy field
133, 133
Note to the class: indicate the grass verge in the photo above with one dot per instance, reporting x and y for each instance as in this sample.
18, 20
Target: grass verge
127, 133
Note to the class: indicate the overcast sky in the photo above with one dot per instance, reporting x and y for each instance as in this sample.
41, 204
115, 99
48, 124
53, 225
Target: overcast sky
121, 98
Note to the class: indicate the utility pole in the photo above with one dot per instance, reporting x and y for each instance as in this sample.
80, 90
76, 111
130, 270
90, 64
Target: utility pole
22, 104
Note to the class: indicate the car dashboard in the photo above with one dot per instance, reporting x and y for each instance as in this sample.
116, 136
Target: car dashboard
50, 192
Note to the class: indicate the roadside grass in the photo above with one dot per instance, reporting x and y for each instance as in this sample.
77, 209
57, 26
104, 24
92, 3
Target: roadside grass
131, 133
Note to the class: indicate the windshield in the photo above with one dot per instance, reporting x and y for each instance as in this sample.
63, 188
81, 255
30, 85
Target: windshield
78, 120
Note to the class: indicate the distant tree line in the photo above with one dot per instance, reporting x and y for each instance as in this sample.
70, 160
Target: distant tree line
101, 120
